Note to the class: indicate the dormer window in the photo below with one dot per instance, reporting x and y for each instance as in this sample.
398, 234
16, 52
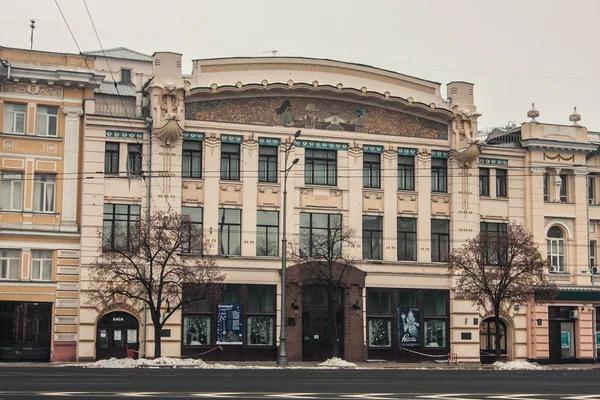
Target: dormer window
125, 75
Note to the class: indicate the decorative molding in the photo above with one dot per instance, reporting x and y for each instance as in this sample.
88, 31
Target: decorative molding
309, 144
537, 170
36, 90
493, 161
125, 134
439, 154
196, 136
267, 141
73, 111
559, 157
407, 151
580, 171
237, 139
370, 148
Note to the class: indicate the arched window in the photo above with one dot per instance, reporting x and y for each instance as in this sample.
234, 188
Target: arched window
487, 340
556, 249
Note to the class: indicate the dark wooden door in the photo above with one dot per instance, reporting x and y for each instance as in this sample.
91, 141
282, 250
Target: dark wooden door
25, 331
317, 340
554, 341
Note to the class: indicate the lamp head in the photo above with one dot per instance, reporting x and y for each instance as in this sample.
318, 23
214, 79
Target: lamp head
297, 134
296, 160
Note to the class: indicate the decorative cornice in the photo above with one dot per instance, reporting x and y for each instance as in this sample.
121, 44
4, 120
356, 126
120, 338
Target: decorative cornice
407, 151
536, 170
73, 111
493, 161
266, 141
238, 139
308, 144
439, 154
369, 148
124, 134
580, 171
196, 136
566, 145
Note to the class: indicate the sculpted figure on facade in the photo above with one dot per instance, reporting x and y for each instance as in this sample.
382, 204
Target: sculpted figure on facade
465, 144
168, 112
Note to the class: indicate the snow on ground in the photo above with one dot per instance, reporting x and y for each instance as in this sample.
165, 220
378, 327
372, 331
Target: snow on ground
517, 365
338, 363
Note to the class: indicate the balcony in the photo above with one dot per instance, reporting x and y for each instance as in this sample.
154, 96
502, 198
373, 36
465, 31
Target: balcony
116, 109
560, 278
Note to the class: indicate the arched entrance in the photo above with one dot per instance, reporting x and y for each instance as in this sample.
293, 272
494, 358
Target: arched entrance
116, 332
487, 343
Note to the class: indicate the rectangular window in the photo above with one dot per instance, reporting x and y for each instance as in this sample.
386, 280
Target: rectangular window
546, 193
43, 192
41, 265
260, 309
46, 121
484, 182
320, 167
267, 233
496, 251
372, 237
9, 264
440, 240
592, 253
320, 235
406, 173
407, 239
435, 333
111, 158
194, 237
125, 75
134, 159
267, 163
501, 183
120, 228
191, 156
230, 161
379, 317
14, 118
230, 232
371, 170
435, 303
591, 190
439, 175
11, 190
564, 188
196, 330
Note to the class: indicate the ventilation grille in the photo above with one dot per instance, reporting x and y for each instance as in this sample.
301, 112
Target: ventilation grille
157, 61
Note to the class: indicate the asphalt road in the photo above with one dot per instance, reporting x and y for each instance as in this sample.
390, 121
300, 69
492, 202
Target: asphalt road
78, 383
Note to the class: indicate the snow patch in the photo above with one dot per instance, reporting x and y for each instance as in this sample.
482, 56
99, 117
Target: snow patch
337, 363
145, 363
517, 365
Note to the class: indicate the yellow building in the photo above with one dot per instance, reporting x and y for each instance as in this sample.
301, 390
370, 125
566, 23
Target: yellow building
42, 99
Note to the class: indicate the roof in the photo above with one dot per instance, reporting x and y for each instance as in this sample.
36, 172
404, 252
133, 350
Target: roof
120, 52
121, 89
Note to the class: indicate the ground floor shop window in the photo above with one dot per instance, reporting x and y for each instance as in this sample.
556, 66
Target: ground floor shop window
380, 332
435, 333
196, 330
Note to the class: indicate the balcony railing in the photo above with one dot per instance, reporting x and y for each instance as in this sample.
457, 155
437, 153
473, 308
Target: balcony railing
593, 137
560, 278
116, 109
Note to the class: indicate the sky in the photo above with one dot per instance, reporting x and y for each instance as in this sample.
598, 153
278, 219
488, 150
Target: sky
515, 51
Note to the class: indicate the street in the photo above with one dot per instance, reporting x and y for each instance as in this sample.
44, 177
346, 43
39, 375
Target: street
388, 384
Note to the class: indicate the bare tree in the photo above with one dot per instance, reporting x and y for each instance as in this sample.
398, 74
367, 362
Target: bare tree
500, 270
320, 250
159, 262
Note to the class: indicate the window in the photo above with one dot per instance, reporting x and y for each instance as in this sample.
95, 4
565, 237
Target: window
440, 240
11, 188
371, 170
407, 239
435, 321
496, 251
564, 188
9, 264
267, 163
230, 232
230, 161
196, 330
191, 156
320, 167
120, 226
435, 333
41, 265
320, 235
194, 237
267, 233
435, 303
501, 183
546, 192
260, 309
46, 121
111, 158
556, 250
592, 254
14, 118
134, 159
484, 182
125, 75
43, 192
439, 175
591, 189
379, 317
406, 173
372, 232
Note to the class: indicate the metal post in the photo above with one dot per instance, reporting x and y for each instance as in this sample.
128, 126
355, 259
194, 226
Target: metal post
282, 355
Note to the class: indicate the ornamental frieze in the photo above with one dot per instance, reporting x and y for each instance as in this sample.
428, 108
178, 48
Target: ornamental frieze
311, 113
39, 90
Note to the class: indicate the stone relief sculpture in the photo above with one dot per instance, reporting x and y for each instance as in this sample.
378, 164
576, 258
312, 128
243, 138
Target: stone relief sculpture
167, 128
465, 145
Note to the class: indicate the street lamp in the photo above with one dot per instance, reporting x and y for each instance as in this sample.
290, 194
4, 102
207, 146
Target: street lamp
282, 356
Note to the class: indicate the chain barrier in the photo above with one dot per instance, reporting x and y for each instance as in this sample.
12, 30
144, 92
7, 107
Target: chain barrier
452, 357
190, 356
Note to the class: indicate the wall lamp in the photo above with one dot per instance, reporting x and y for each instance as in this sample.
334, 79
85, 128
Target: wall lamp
356, 307
295, 307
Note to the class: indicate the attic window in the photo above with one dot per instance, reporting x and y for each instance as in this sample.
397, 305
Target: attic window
125, 75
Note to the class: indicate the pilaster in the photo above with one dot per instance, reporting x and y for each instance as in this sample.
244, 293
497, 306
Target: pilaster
212, 160
70, 167
249, 198
355, 198
389, 174
534, 202
581, 225
463, 184
423, 187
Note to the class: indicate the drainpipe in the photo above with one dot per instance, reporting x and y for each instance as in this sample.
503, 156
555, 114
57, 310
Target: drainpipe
6, 64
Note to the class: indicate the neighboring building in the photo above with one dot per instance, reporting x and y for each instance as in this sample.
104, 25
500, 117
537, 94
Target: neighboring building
41, 104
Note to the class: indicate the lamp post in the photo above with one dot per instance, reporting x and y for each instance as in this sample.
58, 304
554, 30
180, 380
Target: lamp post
282, 355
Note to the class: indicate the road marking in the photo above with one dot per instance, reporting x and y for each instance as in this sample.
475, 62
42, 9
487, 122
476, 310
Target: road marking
447, 396
591, 396
139, 394
226, 395
293, 395
369, 396
64, 394
516, 397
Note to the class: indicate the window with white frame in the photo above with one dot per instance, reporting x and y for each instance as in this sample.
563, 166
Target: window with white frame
9, 264
41, 265
564, 188
46, 122
11, 191
592, 254
43, 192
556, 249
14, 118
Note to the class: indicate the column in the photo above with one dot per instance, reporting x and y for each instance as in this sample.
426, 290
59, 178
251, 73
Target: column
423, 187
70, 166
389, 173
249, 196
212, 162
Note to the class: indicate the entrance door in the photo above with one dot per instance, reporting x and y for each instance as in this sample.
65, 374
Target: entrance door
317, 332
487, 340
117, 332
561, 335
25, 331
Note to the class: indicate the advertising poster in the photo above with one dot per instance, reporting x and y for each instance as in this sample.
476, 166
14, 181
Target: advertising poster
229, 323
598, 339
565, 339
409, 329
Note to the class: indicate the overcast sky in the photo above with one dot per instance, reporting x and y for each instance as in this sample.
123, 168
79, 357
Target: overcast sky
515, 51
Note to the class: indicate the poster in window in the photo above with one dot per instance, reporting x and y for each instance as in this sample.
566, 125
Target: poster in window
565, 339
131, 335
117, 335
409, 327
229, 324
196, 330
598, 339
260, 331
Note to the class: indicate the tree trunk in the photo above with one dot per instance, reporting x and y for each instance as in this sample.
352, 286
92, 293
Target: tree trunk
157, 340
497, 336
335, 345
